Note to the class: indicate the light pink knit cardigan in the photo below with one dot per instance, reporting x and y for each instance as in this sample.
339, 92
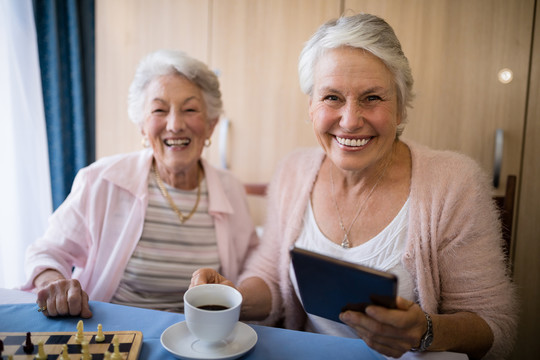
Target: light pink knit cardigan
453, 250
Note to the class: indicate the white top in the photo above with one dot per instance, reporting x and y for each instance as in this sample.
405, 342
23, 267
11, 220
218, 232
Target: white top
168, 252
383, 252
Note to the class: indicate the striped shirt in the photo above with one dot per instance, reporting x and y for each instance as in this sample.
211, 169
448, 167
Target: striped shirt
168, 252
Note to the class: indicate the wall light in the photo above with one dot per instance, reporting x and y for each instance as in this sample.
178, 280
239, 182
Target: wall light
505, 75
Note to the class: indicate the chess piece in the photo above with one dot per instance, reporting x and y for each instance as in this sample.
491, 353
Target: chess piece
80, 335
100, 337
41, 352
116, 354
65, 354
85, 351
28, 346
107, 355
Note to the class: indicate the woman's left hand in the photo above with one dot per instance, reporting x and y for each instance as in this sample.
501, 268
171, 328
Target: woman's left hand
391, 332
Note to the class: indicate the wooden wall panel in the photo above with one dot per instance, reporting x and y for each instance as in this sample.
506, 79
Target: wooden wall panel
255, 47
126, 30
456, 49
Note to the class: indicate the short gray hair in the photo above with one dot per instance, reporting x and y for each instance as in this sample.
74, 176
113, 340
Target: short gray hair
361, 31
165, 62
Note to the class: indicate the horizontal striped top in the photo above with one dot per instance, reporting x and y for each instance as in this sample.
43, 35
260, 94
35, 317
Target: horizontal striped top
160, 269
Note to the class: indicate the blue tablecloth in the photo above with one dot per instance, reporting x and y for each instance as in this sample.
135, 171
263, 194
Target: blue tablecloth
273, 343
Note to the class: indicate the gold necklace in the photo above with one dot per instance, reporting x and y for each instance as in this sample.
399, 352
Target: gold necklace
345, 243
183, 218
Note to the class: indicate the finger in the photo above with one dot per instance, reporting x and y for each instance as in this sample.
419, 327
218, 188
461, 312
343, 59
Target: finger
402, 317
227, 282
41, 301
358, 321
85, 311
196, 279
74, 300
203, 276
62, 307
381, 337
368, 327
403, 304
388, 349
51, 307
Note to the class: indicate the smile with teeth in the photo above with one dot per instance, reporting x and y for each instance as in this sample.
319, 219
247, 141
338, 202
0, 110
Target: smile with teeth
177, 142
352, 142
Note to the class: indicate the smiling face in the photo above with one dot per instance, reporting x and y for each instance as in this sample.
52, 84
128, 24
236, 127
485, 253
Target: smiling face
354, 108
176, 125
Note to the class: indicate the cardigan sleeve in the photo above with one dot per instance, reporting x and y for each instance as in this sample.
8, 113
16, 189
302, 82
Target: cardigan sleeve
61, 248
461, 266
288, 196
264, 261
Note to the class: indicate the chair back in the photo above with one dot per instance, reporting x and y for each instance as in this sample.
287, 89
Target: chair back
506, 203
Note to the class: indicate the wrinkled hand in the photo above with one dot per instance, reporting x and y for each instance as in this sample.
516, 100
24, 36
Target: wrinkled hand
208, 276
391, 332
64, 297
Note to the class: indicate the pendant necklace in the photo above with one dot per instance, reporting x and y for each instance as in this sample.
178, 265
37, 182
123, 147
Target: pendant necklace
183, 218
345, 243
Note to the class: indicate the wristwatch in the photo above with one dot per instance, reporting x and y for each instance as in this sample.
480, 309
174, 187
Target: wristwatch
427, 338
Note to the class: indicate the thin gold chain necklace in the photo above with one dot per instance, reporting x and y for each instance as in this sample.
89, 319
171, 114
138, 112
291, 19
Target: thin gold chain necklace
183, 218
345, 243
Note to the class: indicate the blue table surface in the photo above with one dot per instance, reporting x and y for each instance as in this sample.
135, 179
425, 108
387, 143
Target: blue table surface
273, 343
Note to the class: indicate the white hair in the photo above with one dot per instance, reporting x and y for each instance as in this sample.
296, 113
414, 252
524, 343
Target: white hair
165, 62
361, 31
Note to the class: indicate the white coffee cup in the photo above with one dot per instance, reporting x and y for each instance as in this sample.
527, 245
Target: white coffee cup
212, 326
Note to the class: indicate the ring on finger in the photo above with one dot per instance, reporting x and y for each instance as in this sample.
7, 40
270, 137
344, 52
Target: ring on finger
42, 309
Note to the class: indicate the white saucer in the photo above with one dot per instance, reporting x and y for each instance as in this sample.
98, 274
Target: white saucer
178, 340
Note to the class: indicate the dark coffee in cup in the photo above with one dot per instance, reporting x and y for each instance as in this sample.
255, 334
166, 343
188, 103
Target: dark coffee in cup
213, 307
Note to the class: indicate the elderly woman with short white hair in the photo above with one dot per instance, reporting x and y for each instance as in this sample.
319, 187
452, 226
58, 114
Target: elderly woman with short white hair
135, 226
368, 197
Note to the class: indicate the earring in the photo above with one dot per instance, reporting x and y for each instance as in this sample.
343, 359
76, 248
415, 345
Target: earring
207, 142
145, 142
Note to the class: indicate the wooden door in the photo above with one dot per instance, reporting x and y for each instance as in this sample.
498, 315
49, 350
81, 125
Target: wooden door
527, 248
456, 49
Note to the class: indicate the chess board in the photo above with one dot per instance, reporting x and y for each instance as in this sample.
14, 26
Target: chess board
130, 344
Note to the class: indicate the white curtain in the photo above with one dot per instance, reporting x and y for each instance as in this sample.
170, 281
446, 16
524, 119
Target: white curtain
25, 195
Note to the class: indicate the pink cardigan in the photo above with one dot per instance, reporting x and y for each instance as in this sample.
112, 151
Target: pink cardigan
98, 226
454, 240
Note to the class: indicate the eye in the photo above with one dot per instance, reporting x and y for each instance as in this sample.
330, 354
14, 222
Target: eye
331, 99
372, 98
157, 111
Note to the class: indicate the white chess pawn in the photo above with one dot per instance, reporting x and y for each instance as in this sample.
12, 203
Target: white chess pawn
116, 354
85, 351
41, 352
65, 354
100, 337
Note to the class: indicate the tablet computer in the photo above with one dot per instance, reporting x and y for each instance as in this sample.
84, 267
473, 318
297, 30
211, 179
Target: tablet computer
329, 286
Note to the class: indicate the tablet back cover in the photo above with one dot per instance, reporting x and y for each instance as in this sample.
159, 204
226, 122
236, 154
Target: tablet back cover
329, 286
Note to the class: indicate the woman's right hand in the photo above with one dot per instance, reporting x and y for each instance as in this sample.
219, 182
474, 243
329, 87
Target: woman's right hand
208, 276
257, 299
60, 296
